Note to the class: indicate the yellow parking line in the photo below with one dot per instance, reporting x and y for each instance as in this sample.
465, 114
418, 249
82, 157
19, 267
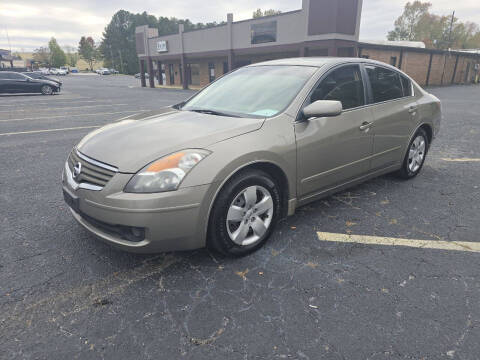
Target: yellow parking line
390, 241
49, 130
461, 159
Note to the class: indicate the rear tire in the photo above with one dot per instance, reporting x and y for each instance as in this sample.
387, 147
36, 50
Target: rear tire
415, 156
244, 214
47, 90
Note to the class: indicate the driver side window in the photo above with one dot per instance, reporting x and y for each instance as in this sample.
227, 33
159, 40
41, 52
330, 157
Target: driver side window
344, 84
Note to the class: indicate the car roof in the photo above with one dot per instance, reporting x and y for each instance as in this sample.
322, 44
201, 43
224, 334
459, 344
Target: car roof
319, 61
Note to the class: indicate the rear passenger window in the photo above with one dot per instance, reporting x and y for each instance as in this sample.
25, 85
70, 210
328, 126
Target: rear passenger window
386, 84
407, 86
344, 84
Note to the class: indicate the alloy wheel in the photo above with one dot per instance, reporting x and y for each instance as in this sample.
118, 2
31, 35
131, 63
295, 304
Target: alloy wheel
47, 90
250, 215
416, 153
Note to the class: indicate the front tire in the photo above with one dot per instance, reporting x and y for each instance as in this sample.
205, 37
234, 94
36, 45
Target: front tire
47, 90
415, 156
244, 214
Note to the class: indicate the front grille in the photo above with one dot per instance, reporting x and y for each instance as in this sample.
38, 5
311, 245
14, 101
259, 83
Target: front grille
92, 172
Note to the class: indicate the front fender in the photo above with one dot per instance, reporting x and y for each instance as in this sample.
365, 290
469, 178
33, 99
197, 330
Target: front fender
274, 143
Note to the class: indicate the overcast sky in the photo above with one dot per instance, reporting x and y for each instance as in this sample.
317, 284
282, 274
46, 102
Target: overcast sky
30, 23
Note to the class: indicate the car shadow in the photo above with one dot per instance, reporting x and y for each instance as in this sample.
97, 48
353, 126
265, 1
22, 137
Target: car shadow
23, 95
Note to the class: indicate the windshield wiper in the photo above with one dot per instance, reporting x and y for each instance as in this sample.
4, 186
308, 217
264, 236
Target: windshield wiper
212, 112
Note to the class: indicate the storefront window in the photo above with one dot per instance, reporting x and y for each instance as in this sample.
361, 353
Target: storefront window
264, 32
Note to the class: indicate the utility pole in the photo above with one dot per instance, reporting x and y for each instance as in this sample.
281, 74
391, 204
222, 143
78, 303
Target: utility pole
449, 46
450, 32
8, 38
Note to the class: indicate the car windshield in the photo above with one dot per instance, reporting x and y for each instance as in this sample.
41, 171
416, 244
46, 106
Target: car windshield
256, 91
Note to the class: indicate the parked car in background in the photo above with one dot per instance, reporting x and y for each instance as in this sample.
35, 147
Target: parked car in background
65, 68
14, 82
113, 71
221, 168
137, 76
103, 71
40, 75
55, 71
74, 70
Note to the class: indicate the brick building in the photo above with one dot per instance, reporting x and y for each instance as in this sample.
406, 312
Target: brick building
319, 28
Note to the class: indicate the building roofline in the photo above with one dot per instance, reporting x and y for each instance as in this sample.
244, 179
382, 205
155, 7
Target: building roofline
205, 28
366, 45
268, 16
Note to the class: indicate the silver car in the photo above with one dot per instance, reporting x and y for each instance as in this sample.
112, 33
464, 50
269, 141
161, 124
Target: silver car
221, 168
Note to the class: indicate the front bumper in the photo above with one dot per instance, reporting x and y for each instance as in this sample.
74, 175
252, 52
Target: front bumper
175, 220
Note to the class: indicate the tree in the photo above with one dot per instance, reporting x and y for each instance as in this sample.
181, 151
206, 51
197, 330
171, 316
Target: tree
57, 56
436, 31
406, 24
118, 42
87, 50
259, 13
72, 55
42, 56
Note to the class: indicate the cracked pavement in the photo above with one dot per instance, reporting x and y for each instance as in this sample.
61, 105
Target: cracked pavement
66, 295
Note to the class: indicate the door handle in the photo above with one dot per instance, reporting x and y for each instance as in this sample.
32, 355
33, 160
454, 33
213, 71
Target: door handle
365, 125
412, 109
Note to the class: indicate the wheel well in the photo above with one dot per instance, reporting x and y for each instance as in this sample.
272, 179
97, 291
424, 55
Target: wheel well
278, 176
428, 130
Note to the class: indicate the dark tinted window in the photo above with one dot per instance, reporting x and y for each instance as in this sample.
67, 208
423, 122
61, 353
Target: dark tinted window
264, 32
407, 86
344, 84
34, 75
385, 84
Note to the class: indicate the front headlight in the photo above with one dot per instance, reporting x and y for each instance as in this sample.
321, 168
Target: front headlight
166, 173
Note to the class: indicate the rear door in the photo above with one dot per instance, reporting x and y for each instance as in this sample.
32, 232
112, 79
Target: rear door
7, 82
394, 114
3, 82
334, 150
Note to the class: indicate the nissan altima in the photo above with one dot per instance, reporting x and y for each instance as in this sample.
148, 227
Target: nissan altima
222, 168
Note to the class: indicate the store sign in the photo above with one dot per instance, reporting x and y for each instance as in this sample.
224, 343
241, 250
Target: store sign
162, 46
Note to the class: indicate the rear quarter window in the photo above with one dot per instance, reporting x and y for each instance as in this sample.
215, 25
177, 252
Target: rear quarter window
407, 86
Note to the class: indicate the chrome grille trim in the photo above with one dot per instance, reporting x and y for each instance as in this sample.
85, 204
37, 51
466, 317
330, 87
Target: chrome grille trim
94, 174
96, 162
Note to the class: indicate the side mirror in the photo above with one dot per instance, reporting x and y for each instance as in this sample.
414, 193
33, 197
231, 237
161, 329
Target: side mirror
321, 108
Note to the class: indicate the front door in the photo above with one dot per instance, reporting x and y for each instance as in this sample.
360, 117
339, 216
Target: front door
333, 150
20, 83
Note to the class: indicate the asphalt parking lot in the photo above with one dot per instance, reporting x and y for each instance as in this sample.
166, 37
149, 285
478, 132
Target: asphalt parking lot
66, 295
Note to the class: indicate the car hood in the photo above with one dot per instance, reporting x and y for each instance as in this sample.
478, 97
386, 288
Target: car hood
134, 142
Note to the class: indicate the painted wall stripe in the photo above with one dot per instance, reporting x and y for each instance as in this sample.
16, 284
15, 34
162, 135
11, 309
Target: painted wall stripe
390, 241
